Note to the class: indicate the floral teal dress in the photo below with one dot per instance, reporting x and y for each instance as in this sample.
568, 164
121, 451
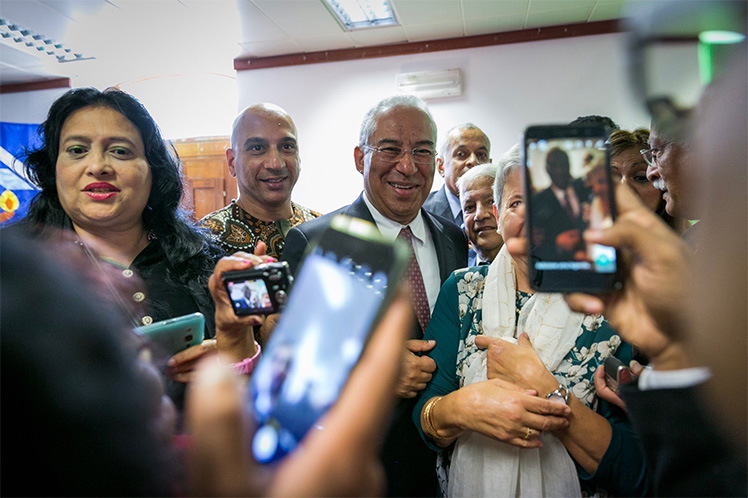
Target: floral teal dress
457, 319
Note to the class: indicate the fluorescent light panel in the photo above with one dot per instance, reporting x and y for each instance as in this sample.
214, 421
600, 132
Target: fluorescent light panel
36, 44
361, 14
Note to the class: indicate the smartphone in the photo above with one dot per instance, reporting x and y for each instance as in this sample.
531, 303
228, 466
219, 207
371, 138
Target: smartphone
568, 188
175, 334
616, 373
344, 284
259, 290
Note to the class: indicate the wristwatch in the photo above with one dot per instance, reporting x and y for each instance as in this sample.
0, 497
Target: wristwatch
560, 395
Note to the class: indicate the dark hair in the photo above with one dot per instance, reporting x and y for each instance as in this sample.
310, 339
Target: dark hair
180, 241
594, 119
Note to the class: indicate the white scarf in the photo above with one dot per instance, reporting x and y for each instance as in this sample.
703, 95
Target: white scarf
482, 466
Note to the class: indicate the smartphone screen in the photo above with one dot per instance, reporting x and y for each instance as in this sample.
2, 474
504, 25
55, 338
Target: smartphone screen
568, 188
337, 297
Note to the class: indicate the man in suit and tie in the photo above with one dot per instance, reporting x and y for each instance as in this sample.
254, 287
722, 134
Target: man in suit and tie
396, 156
464, 146
558, 211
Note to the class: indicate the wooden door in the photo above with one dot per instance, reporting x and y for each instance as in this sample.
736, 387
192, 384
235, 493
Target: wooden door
208, 184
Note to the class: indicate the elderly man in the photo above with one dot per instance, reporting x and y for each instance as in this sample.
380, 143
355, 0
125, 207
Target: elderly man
464, 146
264, 158
395, 155
478, 215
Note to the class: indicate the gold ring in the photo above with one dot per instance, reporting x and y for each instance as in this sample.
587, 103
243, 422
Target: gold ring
528, 433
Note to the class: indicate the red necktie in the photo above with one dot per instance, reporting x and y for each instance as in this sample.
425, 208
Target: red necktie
417, 289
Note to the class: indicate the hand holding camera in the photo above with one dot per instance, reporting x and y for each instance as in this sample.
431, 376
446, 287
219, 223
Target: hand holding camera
234, 331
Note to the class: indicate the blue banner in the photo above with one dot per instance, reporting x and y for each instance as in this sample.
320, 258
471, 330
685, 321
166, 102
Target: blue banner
15, 190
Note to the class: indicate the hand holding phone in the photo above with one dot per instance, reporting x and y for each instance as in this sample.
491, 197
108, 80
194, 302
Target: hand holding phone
616, 373
175, 334
568, 189
346, 280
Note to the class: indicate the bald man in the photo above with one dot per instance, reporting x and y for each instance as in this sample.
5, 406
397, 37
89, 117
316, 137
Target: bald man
264, 159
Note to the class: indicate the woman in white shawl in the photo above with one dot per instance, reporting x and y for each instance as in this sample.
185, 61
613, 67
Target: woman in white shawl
512, 406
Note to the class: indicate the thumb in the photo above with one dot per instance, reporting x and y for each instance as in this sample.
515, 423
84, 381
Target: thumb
484, 341
524, 340
261, 249
419, 345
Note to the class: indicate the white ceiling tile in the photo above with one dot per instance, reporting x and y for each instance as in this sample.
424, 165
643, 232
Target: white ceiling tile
486, 25
378, 36
553, 5
300, 17
269, 48
423, 12
325, 42
255, 25
479, 9
554, 18
435, 31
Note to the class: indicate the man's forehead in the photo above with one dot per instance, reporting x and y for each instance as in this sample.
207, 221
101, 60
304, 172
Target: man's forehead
480, 188
463, 136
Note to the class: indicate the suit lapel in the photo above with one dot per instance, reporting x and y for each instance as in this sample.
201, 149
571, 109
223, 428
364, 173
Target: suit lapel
442, 245
358, 209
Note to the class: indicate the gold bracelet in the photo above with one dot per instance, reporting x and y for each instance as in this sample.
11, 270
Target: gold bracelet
427, 423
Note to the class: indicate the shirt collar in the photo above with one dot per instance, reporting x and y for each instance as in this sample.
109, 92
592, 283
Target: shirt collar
391, 229
454, 202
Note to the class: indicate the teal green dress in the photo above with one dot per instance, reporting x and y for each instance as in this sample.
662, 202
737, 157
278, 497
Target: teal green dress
458, 315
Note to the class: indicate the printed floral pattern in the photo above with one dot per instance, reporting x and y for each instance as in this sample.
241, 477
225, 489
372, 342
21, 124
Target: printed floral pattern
596, 340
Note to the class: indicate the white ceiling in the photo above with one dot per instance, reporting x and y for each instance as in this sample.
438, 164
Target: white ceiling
136, 39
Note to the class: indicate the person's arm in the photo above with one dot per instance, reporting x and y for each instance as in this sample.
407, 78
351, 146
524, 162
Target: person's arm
494, 408
341, 460
444, 328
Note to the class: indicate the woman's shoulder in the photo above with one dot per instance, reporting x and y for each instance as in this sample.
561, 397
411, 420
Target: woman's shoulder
470, 274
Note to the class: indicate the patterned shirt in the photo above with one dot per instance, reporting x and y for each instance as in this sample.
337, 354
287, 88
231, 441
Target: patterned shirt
234, 229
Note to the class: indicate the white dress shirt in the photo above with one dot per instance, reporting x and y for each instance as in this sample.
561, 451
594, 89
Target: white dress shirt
423, 244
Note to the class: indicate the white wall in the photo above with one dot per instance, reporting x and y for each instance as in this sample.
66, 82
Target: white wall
505, 88
27, 107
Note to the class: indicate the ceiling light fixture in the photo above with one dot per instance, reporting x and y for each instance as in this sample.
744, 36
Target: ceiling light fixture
17, 36
361, 14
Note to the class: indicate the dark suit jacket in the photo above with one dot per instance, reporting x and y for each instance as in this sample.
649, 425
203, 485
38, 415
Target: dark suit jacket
550, 218
687, 454
438, 204
409, 464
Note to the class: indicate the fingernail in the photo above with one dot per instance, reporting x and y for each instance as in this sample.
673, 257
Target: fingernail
171, 362
272, 260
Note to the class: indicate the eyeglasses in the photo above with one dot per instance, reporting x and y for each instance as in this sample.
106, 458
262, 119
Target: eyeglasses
651, 156
421, 155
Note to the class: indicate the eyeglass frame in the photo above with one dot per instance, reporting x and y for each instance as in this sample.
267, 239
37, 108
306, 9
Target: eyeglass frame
416, 159
653, 152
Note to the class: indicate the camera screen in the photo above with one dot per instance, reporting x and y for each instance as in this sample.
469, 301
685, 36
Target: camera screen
570, 192
250, 296
317, 342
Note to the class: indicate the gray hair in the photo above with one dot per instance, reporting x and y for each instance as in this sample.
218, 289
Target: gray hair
369, 123
444, 149
510, 162
479, 172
